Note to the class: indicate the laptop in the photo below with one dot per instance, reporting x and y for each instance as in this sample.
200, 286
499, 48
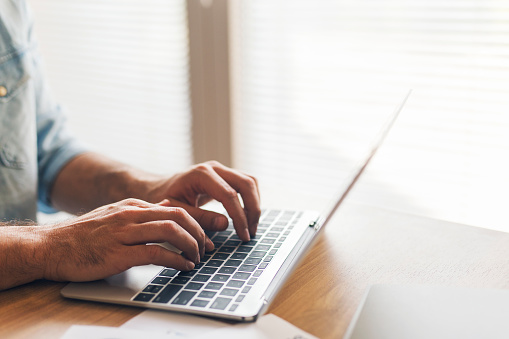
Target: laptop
237, 280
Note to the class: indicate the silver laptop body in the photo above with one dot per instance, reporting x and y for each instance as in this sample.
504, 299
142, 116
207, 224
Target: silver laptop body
236, 281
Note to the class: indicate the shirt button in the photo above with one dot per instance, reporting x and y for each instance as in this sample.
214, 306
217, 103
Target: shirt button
3, 91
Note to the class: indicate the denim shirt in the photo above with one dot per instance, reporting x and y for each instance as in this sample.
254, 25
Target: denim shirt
34, 141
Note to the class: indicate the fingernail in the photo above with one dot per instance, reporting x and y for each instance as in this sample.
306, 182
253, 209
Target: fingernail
245, 234
210, 244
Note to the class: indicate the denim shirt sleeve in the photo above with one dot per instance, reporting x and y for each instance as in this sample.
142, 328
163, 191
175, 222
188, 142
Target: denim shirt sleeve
55, 144
31, 114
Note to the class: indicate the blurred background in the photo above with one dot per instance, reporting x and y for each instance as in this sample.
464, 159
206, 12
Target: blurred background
293, 92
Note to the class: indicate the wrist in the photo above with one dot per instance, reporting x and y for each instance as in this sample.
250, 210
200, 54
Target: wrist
22, 255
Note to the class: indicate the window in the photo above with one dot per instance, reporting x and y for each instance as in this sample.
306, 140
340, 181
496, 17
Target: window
121, 70
308, 73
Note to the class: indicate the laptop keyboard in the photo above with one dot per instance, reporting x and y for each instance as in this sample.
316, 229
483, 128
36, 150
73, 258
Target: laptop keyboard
225, 275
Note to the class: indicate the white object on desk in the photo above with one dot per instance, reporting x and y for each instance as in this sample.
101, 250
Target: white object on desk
391, 311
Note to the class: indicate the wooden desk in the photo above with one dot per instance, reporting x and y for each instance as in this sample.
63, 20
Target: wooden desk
361, 246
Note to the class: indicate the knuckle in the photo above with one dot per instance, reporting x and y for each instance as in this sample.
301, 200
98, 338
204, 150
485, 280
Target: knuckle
179, 212
126, 213
131, 202
171, 226
213, 163
230, 193
202, 168
251, 183
153, 253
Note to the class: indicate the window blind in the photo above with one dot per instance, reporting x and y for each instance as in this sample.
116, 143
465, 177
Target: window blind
312, 78
120, 69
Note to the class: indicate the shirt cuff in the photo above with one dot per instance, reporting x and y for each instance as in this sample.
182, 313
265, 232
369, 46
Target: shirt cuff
60, 158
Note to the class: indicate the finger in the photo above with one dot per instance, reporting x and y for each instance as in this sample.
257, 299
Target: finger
216, 187
161, 231
209, 220
247, 186
179, 215
156, 255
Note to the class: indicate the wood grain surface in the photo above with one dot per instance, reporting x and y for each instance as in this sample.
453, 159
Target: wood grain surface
361, 246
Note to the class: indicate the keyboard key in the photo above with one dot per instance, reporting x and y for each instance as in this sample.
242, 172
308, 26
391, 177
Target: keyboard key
200, 303
214, 286
251, 242
277, 229
257, 254
272, 235
220, 303
247, 268
188, 273
215, 263
246, 289
251, 281
194, 286
200, 265
282, 239
220, 277
263, 265
233, 308
161, 281
238, 256
184, 297
235, 283
168, 292
268, 258
226, 249
268, 241
262, 248
180, 280
224, 233
241, 276
278, 245
234, 263
143, 297
227, 270
168, 272
240, 298
152, 288
244, 249
229, 292
272, 252
253, 261
201, 278
257, 273
219, 238
208, 270
221, 256
233, 243
207, 294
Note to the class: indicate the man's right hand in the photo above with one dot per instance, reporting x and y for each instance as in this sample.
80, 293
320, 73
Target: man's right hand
116, 237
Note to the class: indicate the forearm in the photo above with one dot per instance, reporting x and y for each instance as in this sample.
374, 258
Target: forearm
22, 255
91, 180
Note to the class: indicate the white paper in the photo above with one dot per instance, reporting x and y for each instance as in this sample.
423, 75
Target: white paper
179, 325
269, 326
104, 332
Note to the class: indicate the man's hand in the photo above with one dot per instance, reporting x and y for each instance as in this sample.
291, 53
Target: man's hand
116, 237
103, 181
212, 180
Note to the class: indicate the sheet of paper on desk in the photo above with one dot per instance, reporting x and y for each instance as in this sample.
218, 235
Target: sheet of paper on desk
105, 332
269, 326
181, 325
